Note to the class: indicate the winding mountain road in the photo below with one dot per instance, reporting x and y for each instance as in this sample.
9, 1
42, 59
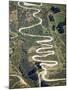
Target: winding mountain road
45, 46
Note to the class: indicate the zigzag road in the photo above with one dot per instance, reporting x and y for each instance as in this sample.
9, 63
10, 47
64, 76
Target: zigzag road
44, 45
